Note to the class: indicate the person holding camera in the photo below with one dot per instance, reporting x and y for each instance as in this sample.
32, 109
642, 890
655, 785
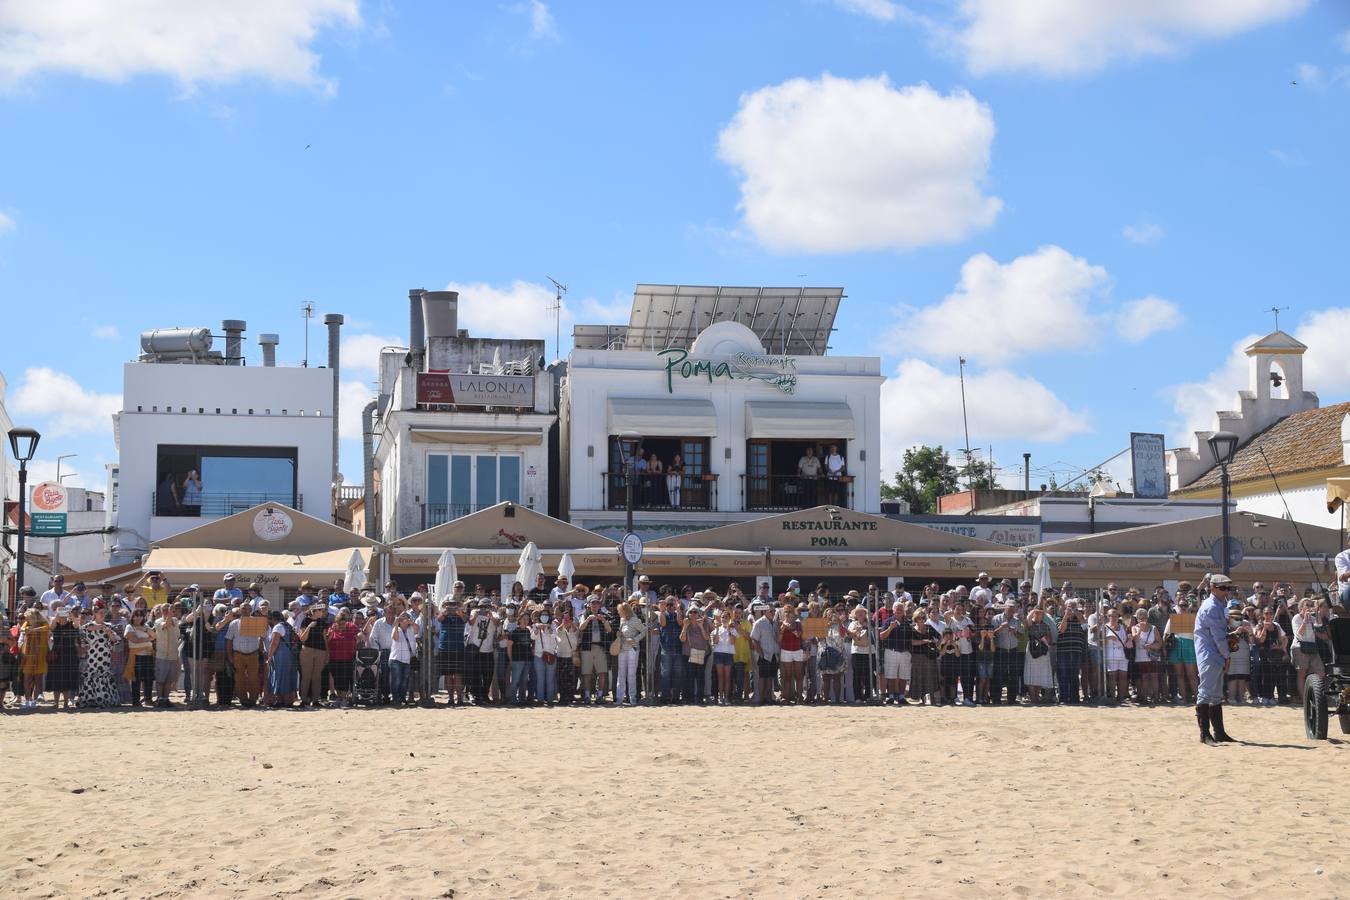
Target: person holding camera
1070, 645
313, 654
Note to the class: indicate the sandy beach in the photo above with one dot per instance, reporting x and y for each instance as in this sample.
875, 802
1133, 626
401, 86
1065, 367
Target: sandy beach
669, 802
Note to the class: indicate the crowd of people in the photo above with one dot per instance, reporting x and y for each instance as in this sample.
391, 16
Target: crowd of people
562, 643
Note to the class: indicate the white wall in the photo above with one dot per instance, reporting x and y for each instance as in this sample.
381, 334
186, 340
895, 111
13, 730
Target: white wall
1307, 505
403, 460
259, 407
594, 376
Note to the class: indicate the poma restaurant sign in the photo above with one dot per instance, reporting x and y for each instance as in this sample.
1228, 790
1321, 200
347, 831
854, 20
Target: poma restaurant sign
779, 371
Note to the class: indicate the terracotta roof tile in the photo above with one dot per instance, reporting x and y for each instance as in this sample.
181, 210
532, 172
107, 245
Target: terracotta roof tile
1302, 442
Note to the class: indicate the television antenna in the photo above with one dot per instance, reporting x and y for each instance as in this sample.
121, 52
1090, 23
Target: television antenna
1277, 310
558, 290
307, 312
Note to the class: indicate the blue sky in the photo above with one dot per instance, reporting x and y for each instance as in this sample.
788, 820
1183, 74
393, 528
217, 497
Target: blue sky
1094, 203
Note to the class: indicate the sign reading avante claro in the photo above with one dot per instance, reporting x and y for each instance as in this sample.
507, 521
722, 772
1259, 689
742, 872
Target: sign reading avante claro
779, 371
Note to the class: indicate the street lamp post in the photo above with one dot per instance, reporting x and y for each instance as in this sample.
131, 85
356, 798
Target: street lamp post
1223, 444
23, 442
628, 444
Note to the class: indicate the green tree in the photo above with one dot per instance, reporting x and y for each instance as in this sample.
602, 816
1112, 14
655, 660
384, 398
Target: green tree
925, 474
981, 475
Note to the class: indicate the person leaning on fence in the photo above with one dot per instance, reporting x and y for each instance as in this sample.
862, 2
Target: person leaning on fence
632, 631
340, 640
451, 650
1070, 644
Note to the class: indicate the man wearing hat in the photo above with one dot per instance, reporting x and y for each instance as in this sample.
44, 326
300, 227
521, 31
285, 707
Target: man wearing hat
983, 595
1211, 659
228, 594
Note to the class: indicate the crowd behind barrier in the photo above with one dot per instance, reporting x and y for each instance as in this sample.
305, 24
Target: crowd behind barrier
576, 644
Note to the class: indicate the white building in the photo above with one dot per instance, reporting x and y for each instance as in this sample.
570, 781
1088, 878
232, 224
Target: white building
252, 434
1289, 445
463, 423
737, 383
83, 549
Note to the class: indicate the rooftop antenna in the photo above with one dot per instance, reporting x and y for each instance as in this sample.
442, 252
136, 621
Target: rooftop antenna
558, 290
964, 422
1277, 310
307, 311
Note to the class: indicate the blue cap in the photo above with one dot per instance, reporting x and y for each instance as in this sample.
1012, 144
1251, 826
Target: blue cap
1235, 603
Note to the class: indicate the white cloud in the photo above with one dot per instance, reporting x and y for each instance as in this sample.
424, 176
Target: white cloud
921, 404
1142, 318
1143, 233
1308, 74
1344, 41
1327, 334
519, 311
105, 333
881, 10
7, 223
200, 41
1063, 37
542, 25
40, 470
64, 407
352, 398
1290, 159
836, 165
1038, 301
361, 352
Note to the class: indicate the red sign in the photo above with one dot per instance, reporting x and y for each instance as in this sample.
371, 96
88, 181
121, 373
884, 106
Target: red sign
434, 387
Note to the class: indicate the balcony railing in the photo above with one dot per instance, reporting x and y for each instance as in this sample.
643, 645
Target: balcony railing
784, 493
659, 492
211, 503
434, 514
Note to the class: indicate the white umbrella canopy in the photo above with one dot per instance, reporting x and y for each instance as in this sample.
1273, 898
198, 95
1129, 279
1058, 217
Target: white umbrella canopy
531, 565
355, 577
566, 567
1040, 576
446, 576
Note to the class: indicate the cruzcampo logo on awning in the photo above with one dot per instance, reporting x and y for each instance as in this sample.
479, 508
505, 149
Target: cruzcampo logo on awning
779, 371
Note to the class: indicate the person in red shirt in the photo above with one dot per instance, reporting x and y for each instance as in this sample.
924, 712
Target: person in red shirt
342, 653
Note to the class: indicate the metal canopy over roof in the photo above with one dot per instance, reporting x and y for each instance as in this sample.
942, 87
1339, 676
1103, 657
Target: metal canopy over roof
794, 321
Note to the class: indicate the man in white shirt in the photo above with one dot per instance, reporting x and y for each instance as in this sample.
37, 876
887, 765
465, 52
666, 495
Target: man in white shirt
244, 649
58, 591
1343, 575
834, 470
902, 595
380, 636
982, 595
559, 591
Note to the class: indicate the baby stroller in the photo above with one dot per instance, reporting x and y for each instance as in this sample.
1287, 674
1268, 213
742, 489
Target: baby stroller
366, 677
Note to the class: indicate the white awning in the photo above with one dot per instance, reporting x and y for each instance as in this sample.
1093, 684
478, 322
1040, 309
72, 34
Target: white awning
798, 419
662, 418
471, 435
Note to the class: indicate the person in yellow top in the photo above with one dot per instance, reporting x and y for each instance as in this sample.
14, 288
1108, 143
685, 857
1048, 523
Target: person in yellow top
155, 591
740, 658
34, 641
140, 667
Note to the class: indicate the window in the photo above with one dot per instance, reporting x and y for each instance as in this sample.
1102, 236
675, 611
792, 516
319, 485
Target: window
461, 483
220, 481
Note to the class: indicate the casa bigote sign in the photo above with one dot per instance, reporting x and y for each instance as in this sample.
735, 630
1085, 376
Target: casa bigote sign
47, 513
779, 371
272, 524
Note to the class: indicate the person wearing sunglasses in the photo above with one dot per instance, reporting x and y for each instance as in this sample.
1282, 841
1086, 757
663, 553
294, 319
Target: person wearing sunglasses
1211, 657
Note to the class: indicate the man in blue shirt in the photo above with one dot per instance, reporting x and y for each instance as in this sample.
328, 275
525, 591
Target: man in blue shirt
1211, 659
229, 594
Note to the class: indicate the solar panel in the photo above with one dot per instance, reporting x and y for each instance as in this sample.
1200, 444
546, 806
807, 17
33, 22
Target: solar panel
791, 320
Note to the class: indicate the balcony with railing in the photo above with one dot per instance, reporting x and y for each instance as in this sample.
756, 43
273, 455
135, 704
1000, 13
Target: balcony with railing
785, 493
660, 492
212, 504
434, 514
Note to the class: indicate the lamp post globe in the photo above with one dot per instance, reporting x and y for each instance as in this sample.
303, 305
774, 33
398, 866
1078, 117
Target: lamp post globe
23, 442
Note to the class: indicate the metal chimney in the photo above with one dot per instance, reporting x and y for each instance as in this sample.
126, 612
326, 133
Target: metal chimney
368, 466
334, 322
234, 341
417, 335
269, 342
440, 313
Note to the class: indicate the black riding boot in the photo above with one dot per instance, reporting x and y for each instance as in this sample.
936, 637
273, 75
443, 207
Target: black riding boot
1216, 716
1202, 716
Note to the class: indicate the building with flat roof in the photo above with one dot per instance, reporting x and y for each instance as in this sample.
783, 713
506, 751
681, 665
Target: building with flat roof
728, 405
201, 435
